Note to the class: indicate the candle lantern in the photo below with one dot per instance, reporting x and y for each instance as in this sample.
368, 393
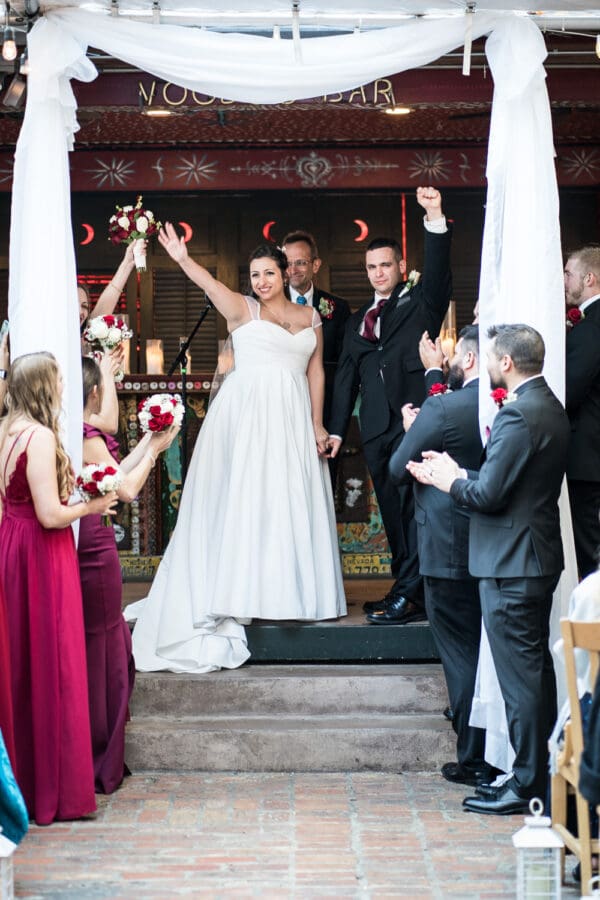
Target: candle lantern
448, 331
539, 850
155, 361
126, 345
7, 848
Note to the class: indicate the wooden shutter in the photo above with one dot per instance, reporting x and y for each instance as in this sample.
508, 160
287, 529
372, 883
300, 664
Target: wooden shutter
178, 303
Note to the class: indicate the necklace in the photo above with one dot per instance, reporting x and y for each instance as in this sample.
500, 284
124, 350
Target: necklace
282, 322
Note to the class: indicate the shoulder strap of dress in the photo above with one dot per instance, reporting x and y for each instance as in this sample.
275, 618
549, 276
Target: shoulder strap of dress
14, 444
317, 322
253, 307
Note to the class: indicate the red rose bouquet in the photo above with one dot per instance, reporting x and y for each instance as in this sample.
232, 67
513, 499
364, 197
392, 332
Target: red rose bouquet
133, 223
159, 412
96, 480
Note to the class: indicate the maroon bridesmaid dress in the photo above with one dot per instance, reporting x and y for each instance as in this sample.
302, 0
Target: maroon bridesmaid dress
39, 579
6, 714
111, 670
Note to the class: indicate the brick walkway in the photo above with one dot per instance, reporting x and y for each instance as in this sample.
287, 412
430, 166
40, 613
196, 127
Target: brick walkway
275, 836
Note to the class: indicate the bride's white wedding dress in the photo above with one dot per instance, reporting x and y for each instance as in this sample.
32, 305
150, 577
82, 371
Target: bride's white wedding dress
256, 534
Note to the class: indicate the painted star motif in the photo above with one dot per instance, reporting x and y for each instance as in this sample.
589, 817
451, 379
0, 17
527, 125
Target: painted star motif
159, 169
581, 162
431, 166
195, 170
115, 173
6, 171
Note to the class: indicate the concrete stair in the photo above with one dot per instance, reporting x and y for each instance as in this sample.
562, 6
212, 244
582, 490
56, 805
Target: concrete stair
292, 718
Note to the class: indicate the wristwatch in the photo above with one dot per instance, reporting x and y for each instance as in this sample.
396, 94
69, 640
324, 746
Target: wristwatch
3, 374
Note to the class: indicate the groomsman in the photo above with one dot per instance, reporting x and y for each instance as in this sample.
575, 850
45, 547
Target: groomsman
582, 293
515, 549
380, 358
450, 422
303, 265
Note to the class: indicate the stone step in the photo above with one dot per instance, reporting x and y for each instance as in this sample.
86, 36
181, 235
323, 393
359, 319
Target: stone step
299, 690
351, 743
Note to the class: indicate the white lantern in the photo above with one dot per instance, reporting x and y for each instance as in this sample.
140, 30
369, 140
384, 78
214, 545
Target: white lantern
7, 848
539, 850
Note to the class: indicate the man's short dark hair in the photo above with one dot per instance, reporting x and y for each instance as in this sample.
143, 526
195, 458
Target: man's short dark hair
294, 237
380, 243
522, 343
469, 335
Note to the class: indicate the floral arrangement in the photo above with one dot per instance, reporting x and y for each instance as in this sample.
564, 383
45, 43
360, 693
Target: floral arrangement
159, 412
133, 223
96, 480
501, 397
437, 389
105, 333
413, 278
574, 316
326, 307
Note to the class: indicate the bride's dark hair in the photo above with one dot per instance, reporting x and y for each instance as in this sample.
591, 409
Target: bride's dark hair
270, 251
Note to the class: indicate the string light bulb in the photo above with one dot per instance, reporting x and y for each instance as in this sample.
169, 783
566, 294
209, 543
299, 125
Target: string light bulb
24, 63
9, 46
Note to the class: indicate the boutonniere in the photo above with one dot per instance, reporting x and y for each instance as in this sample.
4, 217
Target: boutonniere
437, 389
574, 316
326, 307
413, 278
501, 397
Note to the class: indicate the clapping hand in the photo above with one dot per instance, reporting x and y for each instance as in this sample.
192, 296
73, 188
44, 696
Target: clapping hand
437, 469
174, 245
409, 414
431, 353
431, 201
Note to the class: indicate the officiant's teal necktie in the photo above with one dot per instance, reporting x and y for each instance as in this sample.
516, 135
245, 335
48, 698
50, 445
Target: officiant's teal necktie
301, 300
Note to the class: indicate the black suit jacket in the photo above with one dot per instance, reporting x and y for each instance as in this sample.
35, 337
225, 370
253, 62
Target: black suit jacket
333, 338
515, 525
389, 372
583, 396
447, 422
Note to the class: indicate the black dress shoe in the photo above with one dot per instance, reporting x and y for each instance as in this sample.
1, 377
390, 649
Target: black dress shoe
506, 802
471, 775
377, 605
400, 611
448, 713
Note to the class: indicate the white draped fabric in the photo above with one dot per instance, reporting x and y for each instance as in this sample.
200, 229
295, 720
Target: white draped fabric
521, 264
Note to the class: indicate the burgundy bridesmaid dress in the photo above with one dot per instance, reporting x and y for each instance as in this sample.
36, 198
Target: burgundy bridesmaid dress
111, 670
6, 714
39, 579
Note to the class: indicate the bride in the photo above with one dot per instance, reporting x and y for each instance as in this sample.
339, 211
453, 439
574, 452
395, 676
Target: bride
256, 534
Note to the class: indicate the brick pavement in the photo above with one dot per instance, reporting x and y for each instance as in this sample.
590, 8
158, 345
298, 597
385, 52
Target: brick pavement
357, 835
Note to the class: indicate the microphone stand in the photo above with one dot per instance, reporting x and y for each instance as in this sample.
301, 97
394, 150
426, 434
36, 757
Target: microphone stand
181, 361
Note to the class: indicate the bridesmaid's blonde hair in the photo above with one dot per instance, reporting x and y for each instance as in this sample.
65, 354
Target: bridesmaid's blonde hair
32, 391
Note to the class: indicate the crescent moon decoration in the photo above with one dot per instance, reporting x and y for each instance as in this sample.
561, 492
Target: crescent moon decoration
187, 231
89, 234
267, 230
364, 229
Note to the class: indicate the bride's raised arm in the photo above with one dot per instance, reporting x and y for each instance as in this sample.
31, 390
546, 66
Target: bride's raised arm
230, 304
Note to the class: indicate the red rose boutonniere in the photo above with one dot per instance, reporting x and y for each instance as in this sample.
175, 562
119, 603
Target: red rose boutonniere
437, 389
574, 316
326, 307
501, 396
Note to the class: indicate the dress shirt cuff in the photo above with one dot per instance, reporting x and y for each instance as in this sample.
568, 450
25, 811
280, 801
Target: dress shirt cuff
434, 369
337, 437
437, 226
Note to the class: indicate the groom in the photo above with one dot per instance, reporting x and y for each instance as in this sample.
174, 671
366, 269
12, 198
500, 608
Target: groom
380, 357
515, 549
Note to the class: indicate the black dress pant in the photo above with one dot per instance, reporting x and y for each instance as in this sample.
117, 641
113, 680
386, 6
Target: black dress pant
584, 497
516, 614
454, 614
397, 507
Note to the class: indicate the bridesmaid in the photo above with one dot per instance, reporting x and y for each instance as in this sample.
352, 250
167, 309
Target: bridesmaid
39, 582
110, 664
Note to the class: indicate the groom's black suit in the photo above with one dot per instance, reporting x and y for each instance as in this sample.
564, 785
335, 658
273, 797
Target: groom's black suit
389, 374
515, 549
333, 339
449, 422
583, 409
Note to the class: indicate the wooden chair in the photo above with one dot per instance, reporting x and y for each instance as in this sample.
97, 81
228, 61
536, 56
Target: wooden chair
586, 636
